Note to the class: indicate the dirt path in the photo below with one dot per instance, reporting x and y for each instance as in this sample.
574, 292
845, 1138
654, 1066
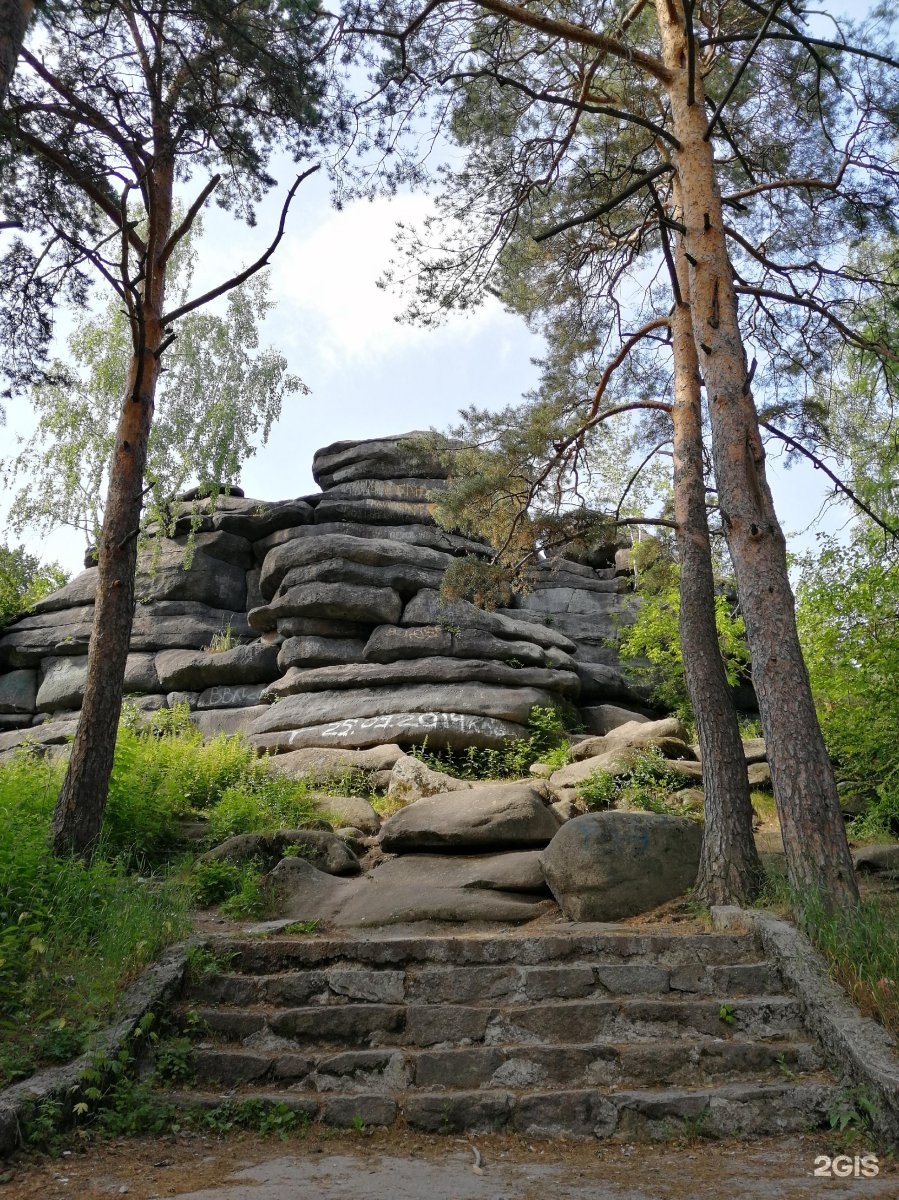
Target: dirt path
394, 1165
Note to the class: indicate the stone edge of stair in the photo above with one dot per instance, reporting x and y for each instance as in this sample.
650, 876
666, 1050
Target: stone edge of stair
159, 983
859, 1047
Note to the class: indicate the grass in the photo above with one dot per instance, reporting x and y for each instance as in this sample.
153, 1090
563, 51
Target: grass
861, 947
73, 935
649, 783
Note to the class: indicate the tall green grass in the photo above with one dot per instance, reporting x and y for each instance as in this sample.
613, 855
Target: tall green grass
72, 934
861, 946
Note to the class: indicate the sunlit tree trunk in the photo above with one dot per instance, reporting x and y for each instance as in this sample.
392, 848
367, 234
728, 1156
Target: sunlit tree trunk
817, 851
78, 817
730, 870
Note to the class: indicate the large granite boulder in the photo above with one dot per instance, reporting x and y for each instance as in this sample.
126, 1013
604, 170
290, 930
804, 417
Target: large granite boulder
609, 865
18, 692
499, 816
441, 730
411, 780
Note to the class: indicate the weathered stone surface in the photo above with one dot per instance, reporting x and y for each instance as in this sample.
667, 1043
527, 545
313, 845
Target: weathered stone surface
669, 735
261, 520
305, 552
498, 816
227, 720
339, 602
417, 536
405, 578
411, 780
308, 894
876, 858
323, 764
256, 663
208, 580
557, 601
443, 730
233, 695
427, 608
352, 810
424, 670
755, 750
609, 865
600, 681
62, 685
18, 692
372, 511
759, 775
306, 652
606, 718
188, 698
183, 624
386, 489
315, 708
323, 850
389, 643
514, 871
404, 456
77, 592
21, 646
50, 733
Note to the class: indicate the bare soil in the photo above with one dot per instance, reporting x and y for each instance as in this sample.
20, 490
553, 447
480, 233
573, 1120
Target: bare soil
405, 1166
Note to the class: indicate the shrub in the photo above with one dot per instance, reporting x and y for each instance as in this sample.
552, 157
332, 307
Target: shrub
514, 759
647, 784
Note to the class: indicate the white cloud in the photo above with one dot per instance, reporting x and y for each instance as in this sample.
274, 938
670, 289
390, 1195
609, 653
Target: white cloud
325, 284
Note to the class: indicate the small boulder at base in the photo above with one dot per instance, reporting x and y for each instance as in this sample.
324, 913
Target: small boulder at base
609, 865
411, 780
496, 816
883, 857
323, 850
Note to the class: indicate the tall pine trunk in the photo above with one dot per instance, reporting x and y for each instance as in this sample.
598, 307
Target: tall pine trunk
14, 18
817, 851
730, 870
78, 816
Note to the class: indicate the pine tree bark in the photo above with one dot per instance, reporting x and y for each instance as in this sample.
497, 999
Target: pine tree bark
78, 816
730, 870
817, 851
14, 18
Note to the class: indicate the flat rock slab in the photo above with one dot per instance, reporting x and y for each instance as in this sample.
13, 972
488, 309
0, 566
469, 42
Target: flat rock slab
442, 730
18, 692
375, 552
495, 816
229, 721
327, 763
196, 670
515, 871
339, 602
307, 894
426, 671
427, 608
610, 865
305, 710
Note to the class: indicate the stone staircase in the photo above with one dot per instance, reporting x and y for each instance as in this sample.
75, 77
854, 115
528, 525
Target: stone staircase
585, 1031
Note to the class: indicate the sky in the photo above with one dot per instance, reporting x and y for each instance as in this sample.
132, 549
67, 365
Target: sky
370, 375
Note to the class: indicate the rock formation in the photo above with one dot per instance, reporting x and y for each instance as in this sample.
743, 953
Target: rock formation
332, 629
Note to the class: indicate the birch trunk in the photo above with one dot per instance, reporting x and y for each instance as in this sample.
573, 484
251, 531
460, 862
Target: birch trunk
815, 842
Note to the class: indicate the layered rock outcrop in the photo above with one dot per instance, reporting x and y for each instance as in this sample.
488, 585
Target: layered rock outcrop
317, 622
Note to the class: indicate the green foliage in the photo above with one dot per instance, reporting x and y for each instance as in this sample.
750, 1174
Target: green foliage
486, 585
70, 934
853, 1114
220, 642
213, 882
650, 647
847, 600
861, 945
510, 762
301, 927
646, 783
252, 898
216, 404
24, 580
260, 801
726, 1014
173, 1061
261, 1116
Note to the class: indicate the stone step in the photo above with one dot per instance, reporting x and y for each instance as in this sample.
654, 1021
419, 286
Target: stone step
679, 1062
557, 1022
728, 1110
345, 982
271, 954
